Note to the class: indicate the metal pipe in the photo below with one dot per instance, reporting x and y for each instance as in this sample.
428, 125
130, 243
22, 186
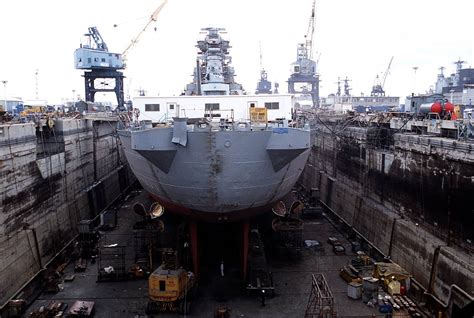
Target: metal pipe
193, 231
433, 268
94, 148
391, 237
245, 248
445, 305
37, 248
198, 77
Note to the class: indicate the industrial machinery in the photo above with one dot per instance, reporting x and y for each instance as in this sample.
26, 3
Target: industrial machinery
288, 230
377, 89
303, 71
33, 110
101, 66
111, 263
443, 108
264, 86
171, 287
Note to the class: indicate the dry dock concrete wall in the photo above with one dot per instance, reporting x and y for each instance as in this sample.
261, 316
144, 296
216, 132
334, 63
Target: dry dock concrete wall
411, 196
51, 179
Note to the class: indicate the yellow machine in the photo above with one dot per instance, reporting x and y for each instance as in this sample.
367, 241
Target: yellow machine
33, 110
170, 287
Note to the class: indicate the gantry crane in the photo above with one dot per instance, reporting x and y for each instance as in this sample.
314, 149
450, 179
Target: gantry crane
304, 69
377, 89
100, 65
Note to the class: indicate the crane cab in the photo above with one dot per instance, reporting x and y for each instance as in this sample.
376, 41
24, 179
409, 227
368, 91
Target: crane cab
87, 58
94, 54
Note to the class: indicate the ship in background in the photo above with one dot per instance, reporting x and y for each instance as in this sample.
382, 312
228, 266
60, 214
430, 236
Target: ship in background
378, 101
264, 86
226, 156
455, 89
344, 101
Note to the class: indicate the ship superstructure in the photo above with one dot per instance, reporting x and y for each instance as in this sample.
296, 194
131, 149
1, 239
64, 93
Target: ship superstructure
459, 86
216, 166
213, 74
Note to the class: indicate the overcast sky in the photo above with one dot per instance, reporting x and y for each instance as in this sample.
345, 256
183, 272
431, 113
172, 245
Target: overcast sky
355, 38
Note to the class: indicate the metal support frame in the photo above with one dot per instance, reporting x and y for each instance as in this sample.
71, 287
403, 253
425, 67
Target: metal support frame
245, 248
91, 90
111, 256
193, 232
321, 300
312, 80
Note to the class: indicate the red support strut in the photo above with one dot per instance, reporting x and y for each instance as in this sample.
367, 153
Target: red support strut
245, 248
193, 231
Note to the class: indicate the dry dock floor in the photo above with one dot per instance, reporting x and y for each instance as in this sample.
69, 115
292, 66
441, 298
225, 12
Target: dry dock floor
292, 280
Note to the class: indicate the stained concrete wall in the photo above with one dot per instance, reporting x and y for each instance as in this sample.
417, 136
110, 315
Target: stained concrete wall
383, 194
50, 180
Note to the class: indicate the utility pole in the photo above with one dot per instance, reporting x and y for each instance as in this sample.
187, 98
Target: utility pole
415, 68
36, 84
74, 99
4, 82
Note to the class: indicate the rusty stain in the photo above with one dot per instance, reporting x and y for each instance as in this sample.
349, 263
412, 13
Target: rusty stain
416, 182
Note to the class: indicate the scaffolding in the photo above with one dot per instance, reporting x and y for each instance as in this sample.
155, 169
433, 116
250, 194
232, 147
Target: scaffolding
321, 300
111, 263
147, 244
287, 237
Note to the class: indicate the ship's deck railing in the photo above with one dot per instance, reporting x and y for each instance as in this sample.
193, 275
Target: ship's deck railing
204, 124
105, 116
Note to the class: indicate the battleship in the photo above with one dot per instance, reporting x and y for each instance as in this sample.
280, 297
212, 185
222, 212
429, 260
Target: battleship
218, 166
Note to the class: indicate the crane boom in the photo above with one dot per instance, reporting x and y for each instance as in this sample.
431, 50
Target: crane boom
310, 32
99, 41
377, 89
386, 72
153, 18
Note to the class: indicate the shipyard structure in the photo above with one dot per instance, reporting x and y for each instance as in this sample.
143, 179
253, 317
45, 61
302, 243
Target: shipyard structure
406, 188
54, 174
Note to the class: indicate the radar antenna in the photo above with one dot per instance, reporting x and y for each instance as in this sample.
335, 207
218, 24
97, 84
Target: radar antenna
459, 64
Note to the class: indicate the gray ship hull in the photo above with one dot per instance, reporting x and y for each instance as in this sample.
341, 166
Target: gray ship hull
217, 175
